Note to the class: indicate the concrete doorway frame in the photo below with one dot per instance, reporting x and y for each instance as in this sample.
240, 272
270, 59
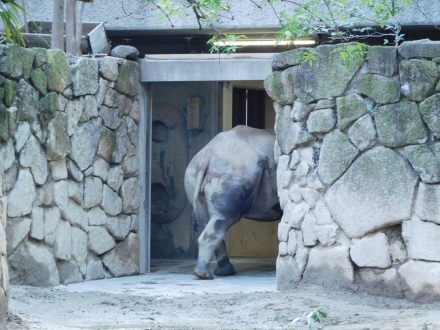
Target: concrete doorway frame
182, 68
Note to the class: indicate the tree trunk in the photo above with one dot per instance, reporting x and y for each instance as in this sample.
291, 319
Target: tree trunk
78, 28
71, 46
57, 39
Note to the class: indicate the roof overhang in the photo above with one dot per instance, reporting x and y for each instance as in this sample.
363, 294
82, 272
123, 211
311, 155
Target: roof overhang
205, 67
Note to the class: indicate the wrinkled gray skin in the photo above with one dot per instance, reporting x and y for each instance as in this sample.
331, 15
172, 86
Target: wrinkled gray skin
233, 176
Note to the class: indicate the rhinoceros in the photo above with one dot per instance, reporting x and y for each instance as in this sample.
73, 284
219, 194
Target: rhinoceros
233, 176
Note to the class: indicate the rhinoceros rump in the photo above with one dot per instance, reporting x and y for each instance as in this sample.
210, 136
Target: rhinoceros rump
233, 176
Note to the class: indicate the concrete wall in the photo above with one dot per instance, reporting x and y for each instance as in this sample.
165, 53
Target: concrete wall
358, 170
177, 238
245, 15
68, 142
4, 274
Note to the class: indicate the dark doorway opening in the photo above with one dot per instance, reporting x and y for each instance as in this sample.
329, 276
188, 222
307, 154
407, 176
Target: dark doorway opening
248, 107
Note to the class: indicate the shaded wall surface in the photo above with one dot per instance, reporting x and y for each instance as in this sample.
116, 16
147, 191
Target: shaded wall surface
4, 274
172, 228
358, 169
68, 143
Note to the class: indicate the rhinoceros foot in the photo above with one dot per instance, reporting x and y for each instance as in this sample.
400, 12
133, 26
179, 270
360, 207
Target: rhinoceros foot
202, 272
224, 269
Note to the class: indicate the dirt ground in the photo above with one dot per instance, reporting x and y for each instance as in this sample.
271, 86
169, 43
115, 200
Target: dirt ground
174, 299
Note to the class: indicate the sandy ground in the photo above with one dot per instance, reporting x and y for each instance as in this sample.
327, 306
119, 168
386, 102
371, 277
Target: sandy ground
171, 298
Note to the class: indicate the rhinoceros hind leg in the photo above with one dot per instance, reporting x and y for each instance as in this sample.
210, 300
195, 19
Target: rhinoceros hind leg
225, 270
202, 271
224, 266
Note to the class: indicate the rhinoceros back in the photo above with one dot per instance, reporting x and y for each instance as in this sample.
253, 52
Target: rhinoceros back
235, 174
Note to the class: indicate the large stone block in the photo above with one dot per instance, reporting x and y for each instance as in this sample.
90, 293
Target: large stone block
108, 68
132, 130
428, 202
430, 110
28, 102
95, 269
39, 80
135, 112
90, 108
58, 142
279, 88
85, 142
128, 78
37, 225
74, 110
106, 144
75, 214
96, 217
371, 251
62, 246
130, 196
69, 272
382, 60
329, 267
27, 56
85, 76
61, 194
102, 90
16, 230
111, 202
33, 157
45, 195
328, 77
375, 192
100, 241
400, 124
11, 64
33, 266
73, 170
417, 78
290, 134
122, 143
420, 48
111, 99
7, 154
425, 161
349, 109
123, 260
288, 274
21, 197
421, 239
321, 121
52, 218
115, 177
380, 89
286, 59
363, 133
22, 135
337, 154
119, 226
380, 282
92, 192
100, 168
59, 76
421, 282
40, 56
300, 111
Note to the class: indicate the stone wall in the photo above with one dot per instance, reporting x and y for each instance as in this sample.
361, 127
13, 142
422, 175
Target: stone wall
68, 142
4, 274
358, 169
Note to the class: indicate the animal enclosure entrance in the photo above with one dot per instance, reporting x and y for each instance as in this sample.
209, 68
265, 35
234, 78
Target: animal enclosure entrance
173, 142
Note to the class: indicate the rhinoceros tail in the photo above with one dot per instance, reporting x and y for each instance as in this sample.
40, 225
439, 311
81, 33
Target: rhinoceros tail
202, 168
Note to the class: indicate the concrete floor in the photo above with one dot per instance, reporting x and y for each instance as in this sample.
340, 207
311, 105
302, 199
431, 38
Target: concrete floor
175, 278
